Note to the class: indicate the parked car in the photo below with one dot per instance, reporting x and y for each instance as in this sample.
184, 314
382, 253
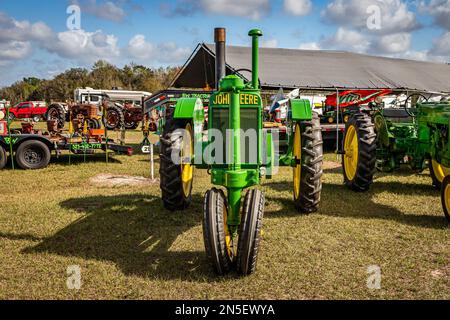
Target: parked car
35, 110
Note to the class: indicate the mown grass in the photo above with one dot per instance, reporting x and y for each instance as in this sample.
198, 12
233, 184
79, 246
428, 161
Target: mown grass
129, 247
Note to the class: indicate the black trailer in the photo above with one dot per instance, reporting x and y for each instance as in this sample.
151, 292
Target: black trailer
33, 151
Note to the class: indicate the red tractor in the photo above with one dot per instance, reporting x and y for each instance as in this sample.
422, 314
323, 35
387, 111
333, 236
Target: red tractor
350, 101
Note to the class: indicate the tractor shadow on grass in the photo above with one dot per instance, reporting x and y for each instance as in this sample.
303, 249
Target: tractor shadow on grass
339, 201
134, 232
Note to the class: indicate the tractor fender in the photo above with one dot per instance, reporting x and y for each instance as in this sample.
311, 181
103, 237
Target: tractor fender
190, 108
301, 109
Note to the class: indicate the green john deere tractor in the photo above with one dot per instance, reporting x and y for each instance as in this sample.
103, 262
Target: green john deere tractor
237, 158
416, 135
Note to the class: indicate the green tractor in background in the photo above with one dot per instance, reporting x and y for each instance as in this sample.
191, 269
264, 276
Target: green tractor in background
232, 227
416, 135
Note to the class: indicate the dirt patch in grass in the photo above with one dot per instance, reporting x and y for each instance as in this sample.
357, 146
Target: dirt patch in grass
110, 180
329, 165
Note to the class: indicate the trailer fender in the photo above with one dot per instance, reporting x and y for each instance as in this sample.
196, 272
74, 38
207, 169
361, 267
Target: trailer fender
301, 109
189, 108
20, 140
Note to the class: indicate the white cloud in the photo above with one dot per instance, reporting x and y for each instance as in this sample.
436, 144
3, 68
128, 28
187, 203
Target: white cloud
143, 51
253, 9
395, 15
393, 43
108, 10
310, 46
441, 45
347, 40
84, 46
439, 9
14, 50
269, 43
298, 7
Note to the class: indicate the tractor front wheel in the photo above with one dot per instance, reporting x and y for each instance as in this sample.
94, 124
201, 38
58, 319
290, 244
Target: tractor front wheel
437, 172
360, 145
56, 112
3, 157
308, 155
217, 238
176, 170
250, 232
445, 197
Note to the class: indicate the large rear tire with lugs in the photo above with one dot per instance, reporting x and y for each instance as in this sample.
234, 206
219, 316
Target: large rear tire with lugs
176, 170
56, 112
360, 145
308, 155
114, 118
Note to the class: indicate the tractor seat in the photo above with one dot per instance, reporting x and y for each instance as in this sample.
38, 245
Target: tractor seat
398, 113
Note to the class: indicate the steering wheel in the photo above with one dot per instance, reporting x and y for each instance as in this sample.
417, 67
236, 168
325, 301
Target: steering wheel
408, 103
246, 70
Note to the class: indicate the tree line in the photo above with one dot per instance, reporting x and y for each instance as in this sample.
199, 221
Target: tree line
103, 75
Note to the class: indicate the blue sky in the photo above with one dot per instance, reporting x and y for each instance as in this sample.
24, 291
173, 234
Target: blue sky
35, 39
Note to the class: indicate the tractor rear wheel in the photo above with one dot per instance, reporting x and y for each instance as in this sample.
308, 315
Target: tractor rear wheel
32, 155
56, 112
217, 238
445, 197
114, 118
176, 177
360, 145
308, 154
437, 172
3, 157
250, 232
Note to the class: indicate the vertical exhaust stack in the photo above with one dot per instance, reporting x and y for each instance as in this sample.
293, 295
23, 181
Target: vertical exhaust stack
220, 40
255, 34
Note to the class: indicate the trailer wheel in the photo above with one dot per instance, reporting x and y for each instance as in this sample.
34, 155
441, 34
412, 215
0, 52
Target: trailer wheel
308, 154
3, 157
250, 232
114, 118
32, 155
437, 172
360, 145
217, 238
56, 112
176, 177
445, 197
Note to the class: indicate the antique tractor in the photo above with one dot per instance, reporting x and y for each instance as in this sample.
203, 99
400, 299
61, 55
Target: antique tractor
416, 135
237, 158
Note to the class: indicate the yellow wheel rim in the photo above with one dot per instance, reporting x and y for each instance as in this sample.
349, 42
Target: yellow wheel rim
187, 169
346, 118
351, 153
228, 237
447, 197
330, 120
439, 170
298, 158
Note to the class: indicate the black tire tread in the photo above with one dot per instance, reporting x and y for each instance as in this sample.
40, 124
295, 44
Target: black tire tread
3, 157
312, 166
214, 231
170, 173
61, 116
20, 153
250, 232
367, 148
121, 123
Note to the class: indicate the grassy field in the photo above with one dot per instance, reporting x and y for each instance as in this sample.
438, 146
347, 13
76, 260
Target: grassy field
129, 247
